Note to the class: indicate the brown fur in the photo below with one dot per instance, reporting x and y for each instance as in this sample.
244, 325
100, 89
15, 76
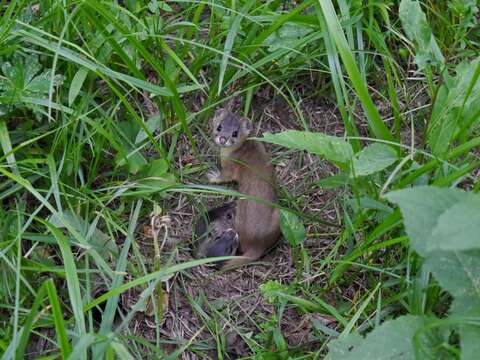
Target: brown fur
247, 163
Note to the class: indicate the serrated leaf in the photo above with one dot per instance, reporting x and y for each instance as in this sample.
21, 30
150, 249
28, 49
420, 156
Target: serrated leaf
417, 29
373, 158
394, 339
333, 148
292, 228
24, 81
423, 208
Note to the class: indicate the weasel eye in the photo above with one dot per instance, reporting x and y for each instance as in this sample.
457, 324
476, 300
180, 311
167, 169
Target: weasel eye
235, 134
219, 128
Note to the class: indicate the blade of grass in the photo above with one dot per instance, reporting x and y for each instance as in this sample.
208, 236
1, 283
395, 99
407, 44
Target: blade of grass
336, 32
98, 259
83, 343
17, 350
337, 77
8, 18
7, 147
150, 277
176, 102
231, 35
351, 324
112, 302
60, 325
73, 283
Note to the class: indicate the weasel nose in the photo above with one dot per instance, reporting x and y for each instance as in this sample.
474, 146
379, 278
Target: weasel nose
222, 140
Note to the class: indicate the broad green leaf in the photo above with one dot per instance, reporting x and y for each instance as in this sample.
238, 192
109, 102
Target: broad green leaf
458, 273
157, 168
394, 339
373, 158
155, 177
155, 6
333, 148
418, 30
458, 227
292, 228
127, 153
423, 208
366, 202
469, 335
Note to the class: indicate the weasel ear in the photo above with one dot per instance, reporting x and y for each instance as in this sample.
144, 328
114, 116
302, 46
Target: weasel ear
218, 116
219, 113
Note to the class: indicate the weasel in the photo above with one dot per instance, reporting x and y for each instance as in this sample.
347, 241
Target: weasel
247, 163
215, 232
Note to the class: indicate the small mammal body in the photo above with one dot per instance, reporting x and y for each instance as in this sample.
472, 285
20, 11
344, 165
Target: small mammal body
247, 163
215, 232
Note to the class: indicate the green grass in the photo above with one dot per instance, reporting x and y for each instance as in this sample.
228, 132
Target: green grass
85, 161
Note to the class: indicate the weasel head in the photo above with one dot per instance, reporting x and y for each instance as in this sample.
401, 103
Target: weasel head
225, 244
229, 129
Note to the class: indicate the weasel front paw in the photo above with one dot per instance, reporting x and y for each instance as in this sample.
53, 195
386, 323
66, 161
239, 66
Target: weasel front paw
214, 176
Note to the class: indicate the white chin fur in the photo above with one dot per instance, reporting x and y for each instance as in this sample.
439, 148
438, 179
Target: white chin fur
227, 144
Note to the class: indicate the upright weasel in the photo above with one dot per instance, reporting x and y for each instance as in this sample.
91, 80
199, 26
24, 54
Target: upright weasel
247, 163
